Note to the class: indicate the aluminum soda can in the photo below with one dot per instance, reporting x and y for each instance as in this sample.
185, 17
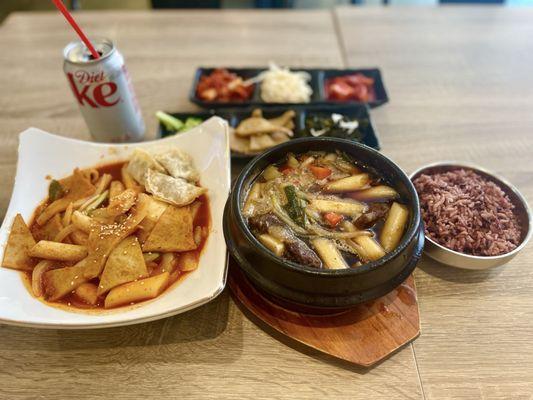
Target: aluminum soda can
103, 90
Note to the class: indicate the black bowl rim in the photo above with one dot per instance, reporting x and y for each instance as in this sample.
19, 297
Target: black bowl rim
365, 268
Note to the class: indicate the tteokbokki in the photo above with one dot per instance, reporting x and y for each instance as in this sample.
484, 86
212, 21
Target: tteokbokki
114, 235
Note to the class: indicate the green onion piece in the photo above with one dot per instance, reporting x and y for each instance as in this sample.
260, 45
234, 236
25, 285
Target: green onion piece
99, 200
295, 206
55, 190
191, 122
171, 123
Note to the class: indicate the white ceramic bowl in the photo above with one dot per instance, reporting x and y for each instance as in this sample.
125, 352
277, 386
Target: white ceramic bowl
42, 154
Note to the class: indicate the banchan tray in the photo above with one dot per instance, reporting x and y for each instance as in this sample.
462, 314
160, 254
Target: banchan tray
318, 80
234, 116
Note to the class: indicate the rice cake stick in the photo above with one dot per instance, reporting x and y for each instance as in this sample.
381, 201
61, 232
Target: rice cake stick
329, 253
348, 184
132, 292
380, 192
368, 249
351, 208
394, 226
58, 251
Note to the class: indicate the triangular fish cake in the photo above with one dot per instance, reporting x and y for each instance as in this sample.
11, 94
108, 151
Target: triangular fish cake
59, 282
124, 264
80, 186
18, 245
155, 209
49, 230
172, 232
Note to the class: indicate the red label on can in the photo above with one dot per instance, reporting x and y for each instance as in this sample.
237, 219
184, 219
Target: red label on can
100, 95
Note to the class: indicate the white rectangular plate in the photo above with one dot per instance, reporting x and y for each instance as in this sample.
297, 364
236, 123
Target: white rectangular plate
42, 154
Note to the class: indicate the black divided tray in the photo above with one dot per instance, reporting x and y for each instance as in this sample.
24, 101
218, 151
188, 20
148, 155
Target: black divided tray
318, 79
234, 116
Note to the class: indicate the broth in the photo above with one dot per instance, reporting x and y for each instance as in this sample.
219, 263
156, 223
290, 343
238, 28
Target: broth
324, 210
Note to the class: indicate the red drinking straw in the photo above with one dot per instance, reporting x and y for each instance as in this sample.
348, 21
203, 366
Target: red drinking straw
61, 7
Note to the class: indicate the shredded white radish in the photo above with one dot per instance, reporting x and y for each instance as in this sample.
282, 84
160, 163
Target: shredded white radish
281, 85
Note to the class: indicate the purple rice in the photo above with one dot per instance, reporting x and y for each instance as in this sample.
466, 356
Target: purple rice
465, 212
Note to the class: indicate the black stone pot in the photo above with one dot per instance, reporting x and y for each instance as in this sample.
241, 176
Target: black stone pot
323, 289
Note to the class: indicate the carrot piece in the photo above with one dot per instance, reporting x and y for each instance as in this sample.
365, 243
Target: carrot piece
286, 170
333, 219
320, 172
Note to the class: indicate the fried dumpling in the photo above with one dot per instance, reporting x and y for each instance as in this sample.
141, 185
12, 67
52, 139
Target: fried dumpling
172, 190
285, 119
178, 164
239, 144
141, 162
256, 125
279, 137
261, 142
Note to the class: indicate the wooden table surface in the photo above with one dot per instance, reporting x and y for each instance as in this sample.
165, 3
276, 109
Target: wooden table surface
461, 88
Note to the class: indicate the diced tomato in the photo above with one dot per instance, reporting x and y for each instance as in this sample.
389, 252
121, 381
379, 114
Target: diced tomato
359, 79
361, 93
333, 219
350, 87
320, 172
286, 170
340, 91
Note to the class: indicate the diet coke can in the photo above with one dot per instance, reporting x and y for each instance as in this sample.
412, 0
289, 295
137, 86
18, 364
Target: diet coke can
102, 87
